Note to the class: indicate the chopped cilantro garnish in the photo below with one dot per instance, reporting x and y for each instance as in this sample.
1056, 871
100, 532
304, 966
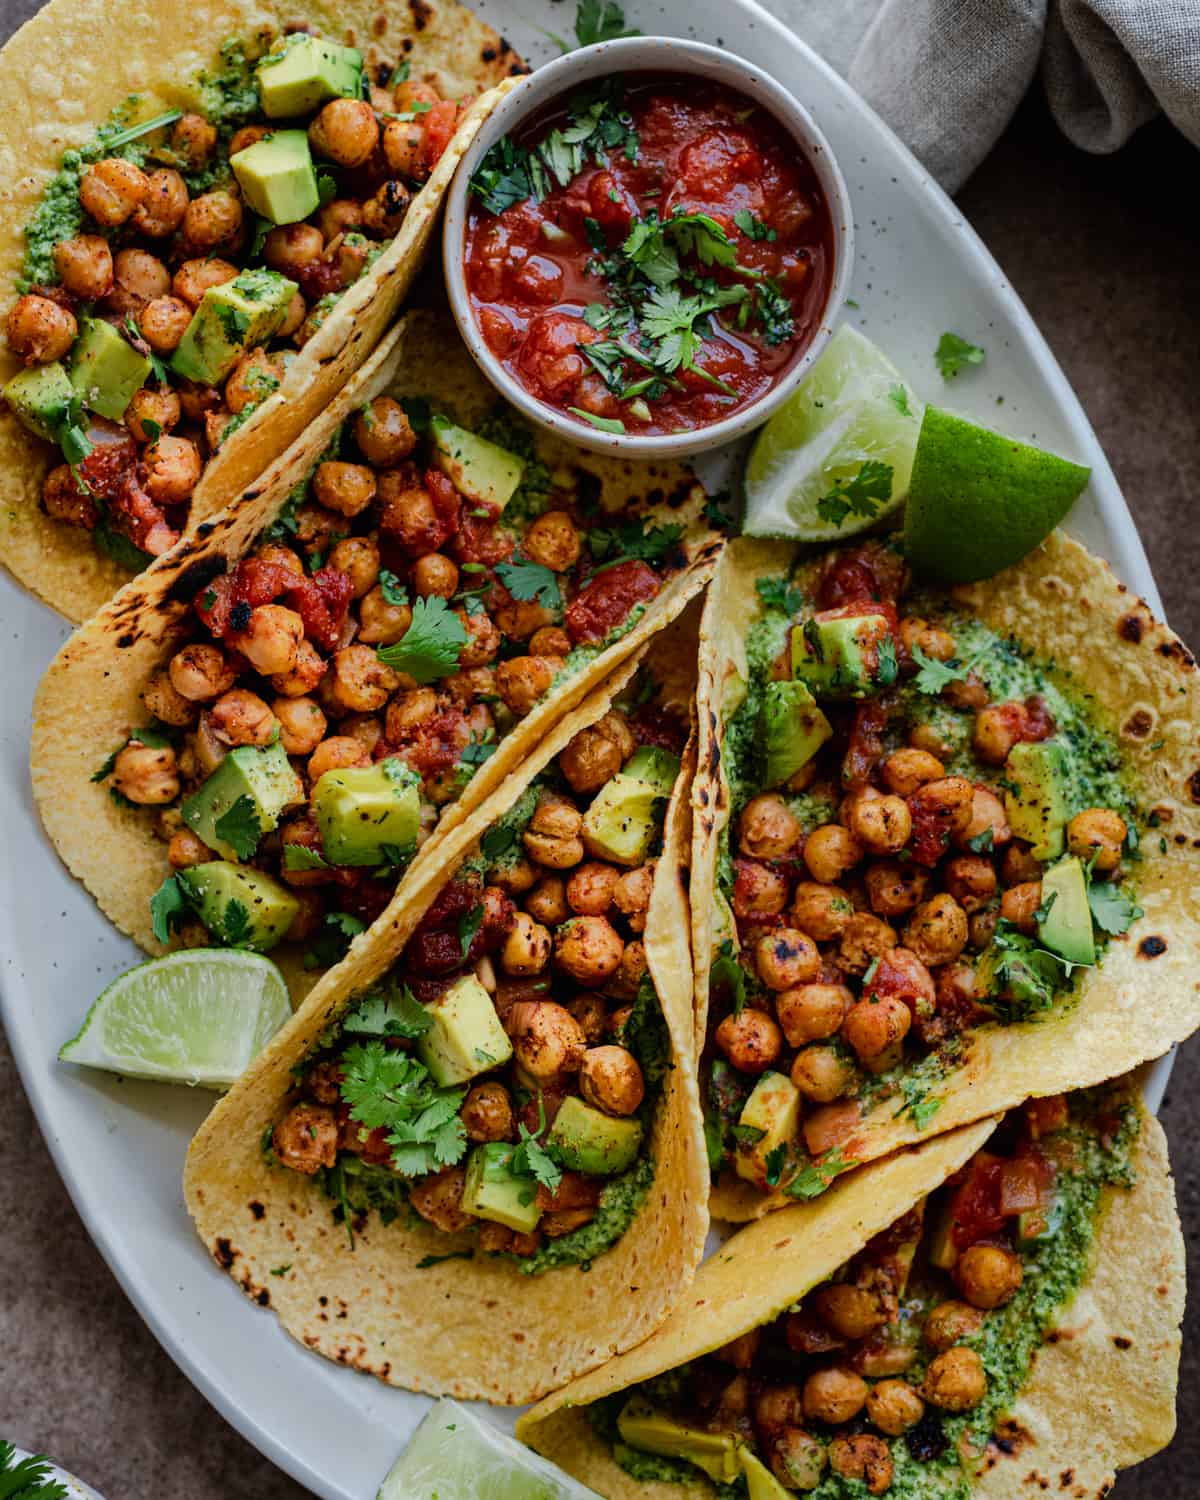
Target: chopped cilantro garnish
936, 675
468, 926
813, 1179
780, 593
333, 941
1112, 911
752, 227
300, 857
27, 1478
954, 354
861, 495
632, 541
390, 1091
529, 581
532, 1159
429, 648
169, 908
898, 396
436, 1260
239, 827
392, 589
601, 21
727, 972
605, 424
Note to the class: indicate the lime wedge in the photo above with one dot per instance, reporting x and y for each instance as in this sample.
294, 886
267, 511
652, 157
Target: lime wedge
854, 408
455, 1455
199, 1016
979, 501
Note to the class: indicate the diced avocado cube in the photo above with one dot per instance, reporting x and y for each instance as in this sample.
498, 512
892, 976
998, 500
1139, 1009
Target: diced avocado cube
236, 316
589, 1141
656, 767
1037, 797
774, 1109
265, 776
620, 824
1066, 928
793, 729
478, 469
466, 1037
761, 1484
650, 1430
1036, 1225
277, 177
106, 369
307, 73
493, 1191
39, 398
844, 656
363, 810
239, 905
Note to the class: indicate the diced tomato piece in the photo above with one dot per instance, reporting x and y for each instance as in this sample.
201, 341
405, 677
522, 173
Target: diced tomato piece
1020, 1186
605, 601
872, 571
440, 123
865, 750
1044, 1116
976, 1213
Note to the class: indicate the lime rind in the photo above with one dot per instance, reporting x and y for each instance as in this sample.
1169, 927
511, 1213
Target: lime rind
456, 1455
199, 1016
853, 407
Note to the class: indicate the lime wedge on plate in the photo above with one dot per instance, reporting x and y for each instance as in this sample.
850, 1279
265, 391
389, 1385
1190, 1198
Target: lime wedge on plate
455, 1455
854, 408
197, 1016
979, 501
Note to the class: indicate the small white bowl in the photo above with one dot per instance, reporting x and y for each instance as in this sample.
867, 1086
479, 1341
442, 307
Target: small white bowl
663, 55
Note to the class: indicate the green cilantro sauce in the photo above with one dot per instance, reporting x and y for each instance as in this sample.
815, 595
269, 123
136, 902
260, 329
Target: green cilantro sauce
620, 1202
583, 656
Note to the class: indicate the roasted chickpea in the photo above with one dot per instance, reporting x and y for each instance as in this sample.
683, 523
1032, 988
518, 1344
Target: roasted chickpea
893, 1406
930, 738
527, 948
849, 1311
381, 623
874, 1025
193, 140
358, 682
969, 692
1098, 834
785, 958
165, 703
200, 672
882, 825
988, 1275
85, 266
163, 322
759, 891
932, 640
146, 775
161, 211
550, 640
212, 219
547, 901
797, 1460
949, 1322
138, 278
1019, 904
185, 849
302, 725
906, 770
866, 937
358, 558
383, 432
863, 1456
546, 1038
487, 1113
830, 851
987, 815
522, 680
553, 540
777, 1406
346, 131
251, 380
338, 217
624, 983
364, 727
981, 928
894, 888
160, 407
611, 1080
240, 717
821, 910
434, 574
590, 889
404, 147
110, 190
937, 930
592, 1014
588, 949
306, 1139
971, 880
742, 1351
751, 1041
195, 277
1019, 865
384, 211
172, 469
306, 673
955, 1380
271, 639
345, 488
410, 92
246, 136
39, 330
812, 1012
822, 1074
518, 618
767, 829
337, 753
631, 895
834, 1395
438, 1198
947, 805
997, 730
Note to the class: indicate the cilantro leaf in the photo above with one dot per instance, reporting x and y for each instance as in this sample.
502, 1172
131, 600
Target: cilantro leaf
529, 581
861, 495
532, 1159
28, 1479
435, 1260
107, 767
812, 1180
605, 424
720, 510
391, 1091
300, 857
780, 593
429, 648
726, 971
954, 354
982, 843
236, 928
632, 541
898, 396
239, 827
391, 1011
936, 675
1112, 912
468, 926
333, 941
392, 589
169, 908
601, 21
775, 1161
774, 311
418, 411
753, 228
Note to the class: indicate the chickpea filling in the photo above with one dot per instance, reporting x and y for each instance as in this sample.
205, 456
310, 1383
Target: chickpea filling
897, 1371
504, 1076
343, 683
928, 835
173, 269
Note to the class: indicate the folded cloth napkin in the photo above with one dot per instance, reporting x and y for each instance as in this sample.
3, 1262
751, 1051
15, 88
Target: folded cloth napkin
947, 75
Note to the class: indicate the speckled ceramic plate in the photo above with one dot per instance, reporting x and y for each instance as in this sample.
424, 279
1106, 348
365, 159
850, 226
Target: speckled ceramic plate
120, 1145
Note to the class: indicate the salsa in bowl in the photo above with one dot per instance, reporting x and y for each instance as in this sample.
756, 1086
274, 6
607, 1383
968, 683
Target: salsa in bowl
646, 247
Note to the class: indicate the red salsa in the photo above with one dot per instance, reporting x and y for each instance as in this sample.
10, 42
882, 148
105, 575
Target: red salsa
650, 254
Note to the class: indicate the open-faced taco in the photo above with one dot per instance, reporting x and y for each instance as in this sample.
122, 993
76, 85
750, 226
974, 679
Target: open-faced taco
489, 1112
189, 282
945, 851
991, 1314
263, 729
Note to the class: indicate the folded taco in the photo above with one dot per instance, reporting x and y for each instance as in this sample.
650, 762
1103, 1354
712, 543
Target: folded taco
188, 281
991, 1314
260, 732
489, 1113
945, 848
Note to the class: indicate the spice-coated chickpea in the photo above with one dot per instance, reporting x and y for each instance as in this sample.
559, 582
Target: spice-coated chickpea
1098, 835
547, 901
212, 219
874, 1025
624, 983
193, 139
830, 851
358, 558
987, 816
404, 147
882, 825
767, 829
201, 672
306, 673
291, 248
195, 277
1019, 903
611, 1080
384, 211
950, 1321
383, 432
526, 948
947, 804
381, 623
631, 895
146, 775
981, 928
812, 1012
863, 1456
592, 1014
271, 639
866, 937
185, 849
173, 468
438, 1198
252, 380
433, 575
834, 1395
937, 930
345, 488
849, 1311
894, 1406
955, 1380
590, 889
246, 136
997, 729
550, 640
588, 950
593, 757
553, 541
160, 407
487, 1113
409, 711
364, 727
759, 891
751, 1041
306, 1139
929, 737
39, 330
930, 639
358, 682
138, 278
822, 1074
338, 217
967, 692
346, 131
522, 681
240, 717
894, 888
778, 1406
480, 647
85, 266
785, 958
546, 1038
165, 703
1019, 865
111, 189
906, 770
988, 1275
971, 880
338, 753
161, 211
163, 321
302, 724
518, 618
797, 1459
821, 910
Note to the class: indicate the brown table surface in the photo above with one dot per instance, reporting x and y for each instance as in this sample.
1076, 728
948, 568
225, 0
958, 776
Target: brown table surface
1105, 260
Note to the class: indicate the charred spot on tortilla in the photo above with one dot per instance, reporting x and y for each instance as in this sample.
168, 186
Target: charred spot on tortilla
1152, 947
1122, 1342
1138, 725
191, 579
1193, 786
224, 1254
1131, 627
257, 1209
